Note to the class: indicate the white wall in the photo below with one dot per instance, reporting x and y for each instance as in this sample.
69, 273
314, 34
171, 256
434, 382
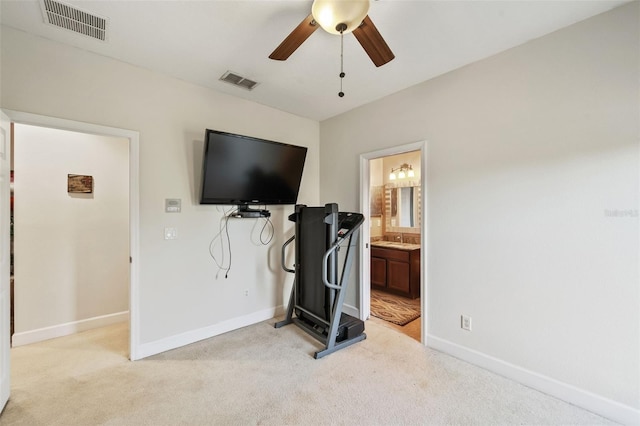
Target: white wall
377, 172
529, 155
72, 250
532, 193
376, 178
181, 297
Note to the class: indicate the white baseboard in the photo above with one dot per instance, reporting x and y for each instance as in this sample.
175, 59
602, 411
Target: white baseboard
186, 338
589, 401
179, 340
46, 333
351, 310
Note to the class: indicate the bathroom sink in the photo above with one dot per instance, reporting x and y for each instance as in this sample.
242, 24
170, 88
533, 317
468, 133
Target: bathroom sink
395, 245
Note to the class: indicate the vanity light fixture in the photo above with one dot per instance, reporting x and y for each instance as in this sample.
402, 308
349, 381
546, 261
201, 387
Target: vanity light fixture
405, 170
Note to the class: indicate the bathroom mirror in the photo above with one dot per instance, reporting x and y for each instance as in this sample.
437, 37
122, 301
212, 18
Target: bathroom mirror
402, 208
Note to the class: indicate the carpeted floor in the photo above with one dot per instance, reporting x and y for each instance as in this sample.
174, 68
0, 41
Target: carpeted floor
396, 309
413, 329
260, 375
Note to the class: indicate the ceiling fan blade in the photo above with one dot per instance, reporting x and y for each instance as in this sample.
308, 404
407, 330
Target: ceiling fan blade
295, 39
373, 43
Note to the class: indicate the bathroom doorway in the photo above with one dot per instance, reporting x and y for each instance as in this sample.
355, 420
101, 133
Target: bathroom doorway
393, 246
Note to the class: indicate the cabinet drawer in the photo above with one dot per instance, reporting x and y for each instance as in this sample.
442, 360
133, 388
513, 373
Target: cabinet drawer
400, 255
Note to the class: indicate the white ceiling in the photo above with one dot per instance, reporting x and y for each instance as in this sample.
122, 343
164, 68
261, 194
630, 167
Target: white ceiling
198, 41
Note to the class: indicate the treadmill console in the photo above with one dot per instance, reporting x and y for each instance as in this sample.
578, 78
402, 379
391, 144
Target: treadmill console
347, 222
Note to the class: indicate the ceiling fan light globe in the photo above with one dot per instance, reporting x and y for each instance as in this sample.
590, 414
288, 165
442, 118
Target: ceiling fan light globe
329, 13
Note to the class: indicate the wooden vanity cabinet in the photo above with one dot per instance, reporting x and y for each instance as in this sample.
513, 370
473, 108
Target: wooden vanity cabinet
378, 272
396, 270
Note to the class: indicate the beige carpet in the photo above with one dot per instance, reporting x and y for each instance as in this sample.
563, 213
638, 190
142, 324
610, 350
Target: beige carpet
396, 309
260, 375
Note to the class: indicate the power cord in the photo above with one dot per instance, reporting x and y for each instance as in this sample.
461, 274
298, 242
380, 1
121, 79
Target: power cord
226, 227
267, 221
224, 230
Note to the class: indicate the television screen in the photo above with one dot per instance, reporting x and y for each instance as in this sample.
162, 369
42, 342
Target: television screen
241, 170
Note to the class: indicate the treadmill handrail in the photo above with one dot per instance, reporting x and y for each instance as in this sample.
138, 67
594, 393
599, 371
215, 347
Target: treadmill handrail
325, 259
284, 246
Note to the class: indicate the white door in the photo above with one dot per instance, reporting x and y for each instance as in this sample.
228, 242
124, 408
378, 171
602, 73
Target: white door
5, 256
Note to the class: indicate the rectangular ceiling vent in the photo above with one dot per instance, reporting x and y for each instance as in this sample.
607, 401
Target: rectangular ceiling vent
238, 80
71, 18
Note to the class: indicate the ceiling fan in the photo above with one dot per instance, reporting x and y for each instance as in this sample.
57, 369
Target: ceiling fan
338, 17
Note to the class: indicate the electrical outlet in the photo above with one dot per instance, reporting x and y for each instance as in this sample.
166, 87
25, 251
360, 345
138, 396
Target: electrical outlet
246, 292
465, 322
170, 233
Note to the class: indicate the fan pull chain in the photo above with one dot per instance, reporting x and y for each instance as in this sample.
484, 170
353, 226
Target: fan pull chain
341, 93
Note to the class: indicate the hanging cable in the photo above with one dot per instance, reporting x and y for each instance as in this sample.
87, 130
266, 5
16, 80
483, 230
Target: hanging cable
226, 226
219, 240
269, 227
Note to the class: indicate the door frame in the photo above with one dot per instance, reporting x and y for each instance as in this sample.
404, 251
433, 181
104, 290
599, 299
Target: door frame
5, 268
365, 253
134, 202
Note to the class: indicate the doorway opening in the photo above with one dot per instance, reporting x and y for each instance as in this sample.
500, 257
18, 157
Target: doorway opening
393, 255
111, 206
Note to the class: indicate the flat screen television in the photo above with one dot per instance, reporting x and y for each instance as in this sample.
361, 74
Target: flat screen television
244, 171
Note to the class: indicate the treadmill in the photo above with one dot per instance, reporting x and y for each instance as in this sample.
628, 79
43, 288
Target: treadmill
317, 295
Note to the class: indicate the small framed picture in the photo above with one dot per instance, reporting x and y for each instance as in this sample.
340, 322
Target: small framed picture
80, 183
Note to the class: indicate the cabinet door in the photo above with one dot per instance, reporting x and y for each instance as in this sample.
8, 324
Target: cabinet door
398, 276
378, 272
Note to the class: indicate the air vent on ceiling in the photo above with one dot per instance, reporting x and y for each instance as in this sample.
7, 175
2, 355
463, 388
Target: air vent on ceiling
71, 18
238, 80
